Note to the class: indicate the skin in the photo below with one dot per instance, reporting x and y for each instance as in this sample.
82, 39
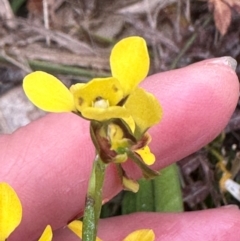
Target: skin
48, 162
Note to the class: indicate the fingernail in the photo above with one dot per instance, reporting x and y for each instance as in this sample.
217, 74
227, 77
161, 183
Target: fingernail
226, 60
231, 206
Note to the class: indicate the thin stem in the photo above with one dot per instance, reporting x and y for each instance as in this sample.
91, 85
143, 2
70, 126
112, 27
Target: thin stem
52, 68
93, 200
188, 44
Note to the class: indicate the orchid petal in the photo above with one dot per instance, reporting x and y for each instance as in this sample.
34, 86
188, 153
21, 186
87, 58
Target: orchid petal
106, 89
76, 226
101, 114
47, 234
141, 235
48, 93
129, 62
146, 155
144, 109
10, 210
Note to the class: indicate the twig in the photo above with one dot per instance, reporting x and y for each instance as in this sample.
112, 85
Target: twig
62, 39
152, 24
5, 10
188, 44
6, 13
46, 19
14, 62
148, 33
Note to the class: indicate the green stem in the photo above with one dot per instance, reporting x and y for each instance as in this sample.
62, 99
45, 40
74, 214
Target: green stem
53, 68
63, 69
93, 200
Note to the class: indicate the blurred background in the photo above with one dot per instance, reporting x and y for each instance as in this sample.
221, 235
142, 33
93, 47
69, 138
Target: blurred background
72, 39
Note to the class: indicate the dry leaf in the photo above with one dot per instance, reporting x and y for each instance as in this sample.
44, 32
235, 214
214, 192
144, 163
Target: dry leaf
35, 7
5, 10
222, 13
234, 4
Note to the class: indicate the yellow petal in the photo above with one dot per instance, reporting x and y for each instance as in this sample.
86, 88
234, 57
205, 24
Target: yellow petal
130, 184
115, 133
10, 210
100, 114
120, 145
129, 62
108, 89
120, 158
130, 122
76, 87
48, 93
76, 226
141, 235
47, 234
144, 109
146, 155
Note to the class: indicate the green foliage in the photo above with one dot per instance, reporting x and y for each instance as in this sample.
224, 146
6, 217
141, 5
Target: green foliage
167, 190
162, 194
16, 4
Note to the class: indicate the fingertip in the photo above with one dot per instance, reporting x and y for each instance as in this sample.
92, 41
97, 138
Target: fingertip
197, 101
225, 61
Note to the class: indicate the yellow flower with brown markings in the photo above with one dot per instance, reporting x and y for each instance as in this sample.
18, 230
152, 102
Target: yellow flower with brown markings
100, 99
106, 99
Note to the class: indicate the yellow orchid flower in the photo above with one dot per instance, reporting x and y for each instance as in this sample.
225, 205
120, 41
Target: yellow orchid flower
10, 210
105, 100
141, 235
47, 234
100, 98
76, 226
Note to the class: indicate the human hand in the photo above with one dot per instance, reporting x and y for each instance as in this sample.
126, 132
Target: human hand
48, 162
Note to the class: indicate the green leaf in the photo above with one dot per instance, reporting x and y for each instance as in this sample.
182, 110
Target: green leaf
167, 190
142, 201
129, 203
145, 196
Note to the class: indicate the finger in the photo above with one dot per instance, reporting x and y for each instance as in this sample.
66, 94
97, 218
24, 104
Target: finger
216, 224
197, 103
49, 161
